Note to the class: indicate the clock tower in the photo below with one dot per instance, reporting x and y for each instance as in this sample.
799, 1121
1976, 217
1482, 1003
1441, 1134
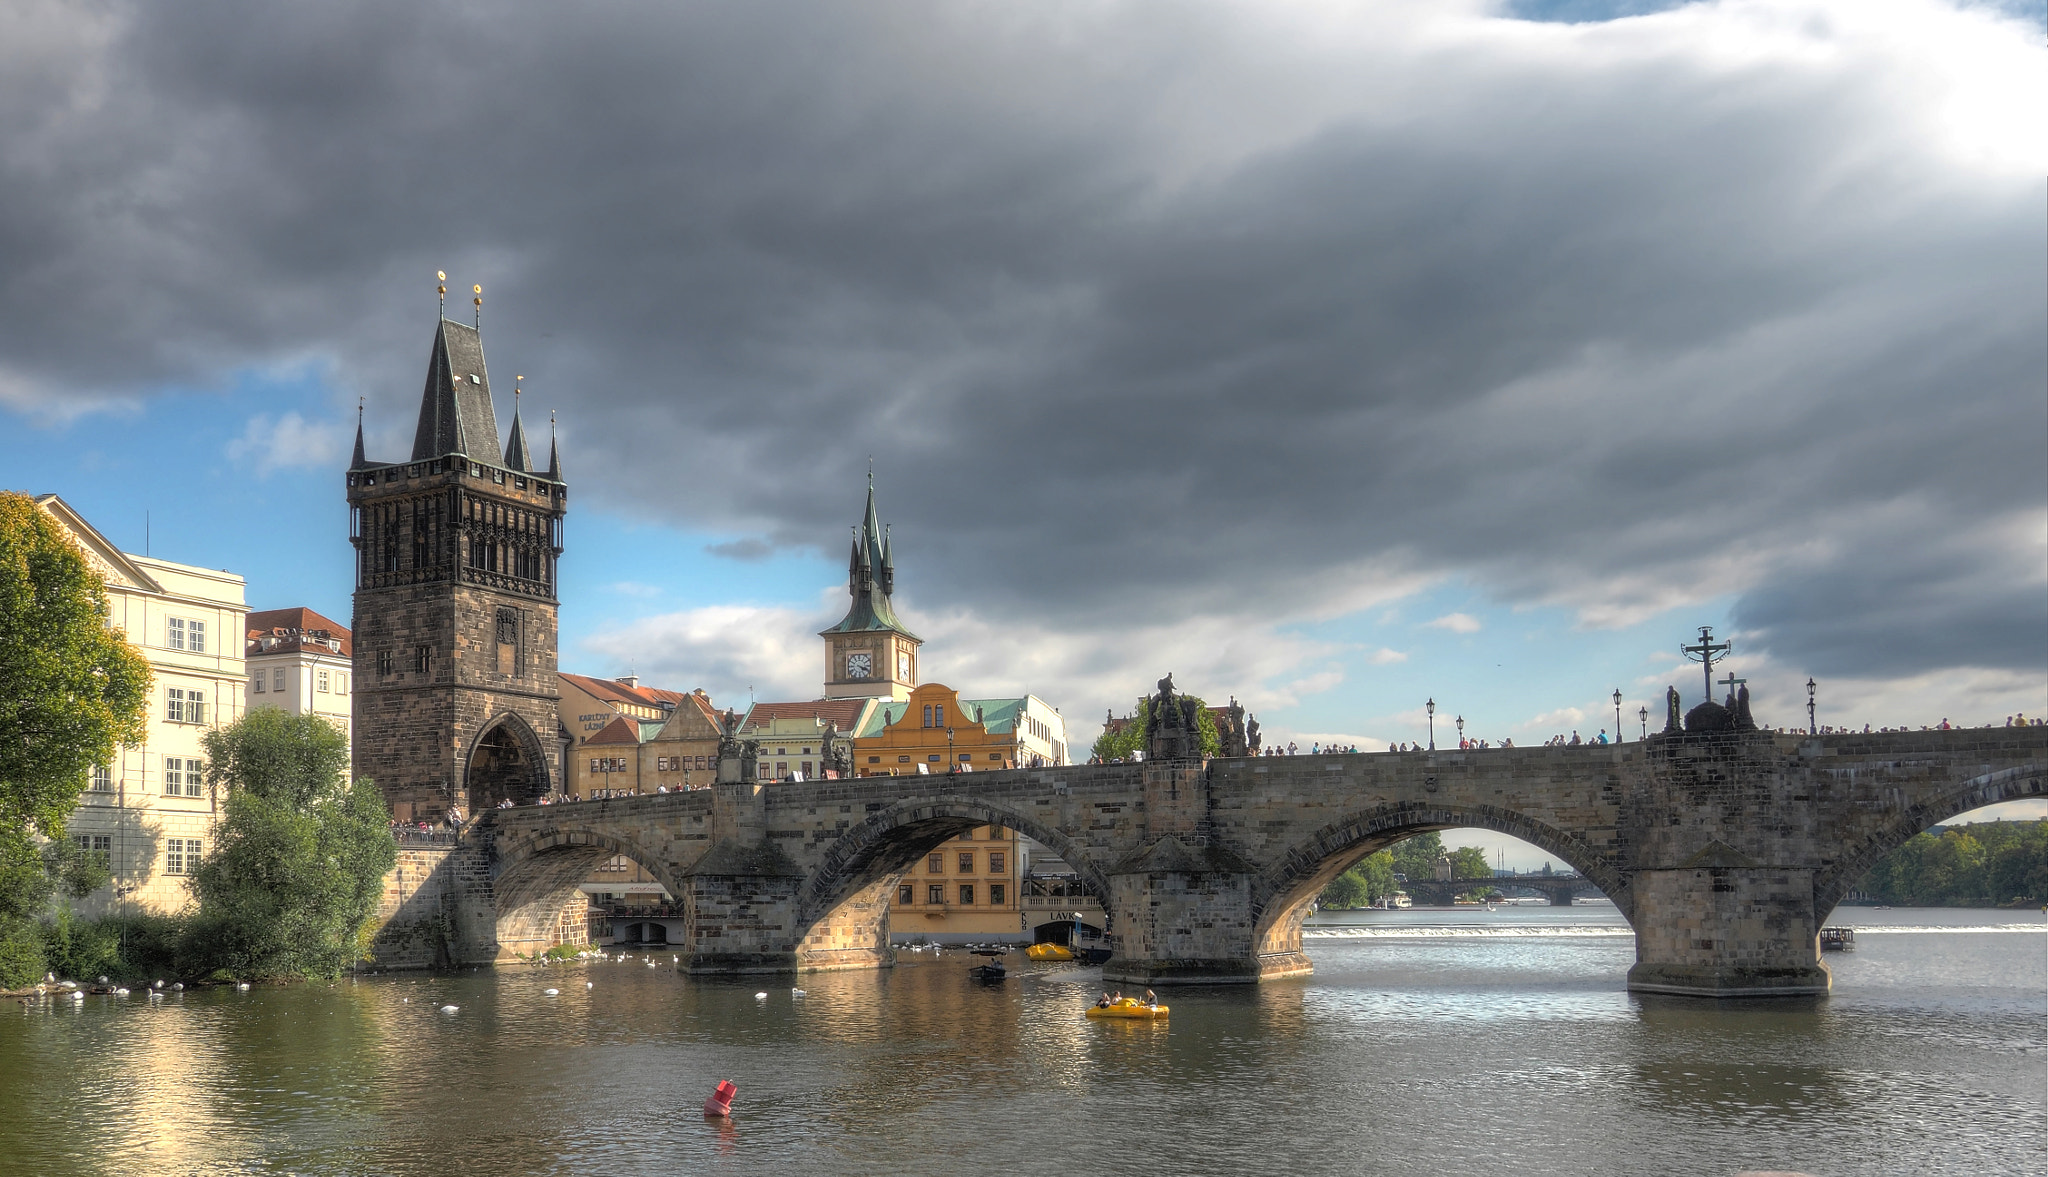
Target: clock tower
869, 654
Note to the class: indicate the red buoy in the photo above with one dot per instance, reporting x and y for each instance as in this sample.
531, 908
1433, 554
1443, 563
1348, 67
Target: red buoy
720, 1103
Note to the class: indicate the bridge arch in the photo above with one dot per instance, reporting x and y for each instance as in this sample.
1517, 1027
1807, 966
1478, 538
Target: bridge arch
2010, 784
537, 877
1281, 895
890, 840
505, 760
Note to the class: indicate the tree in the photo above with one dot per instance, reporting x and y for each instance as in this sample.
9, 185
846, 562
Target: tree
1120, 745
1363, 885
299, 857
71, 689
1469, 862
1415, 856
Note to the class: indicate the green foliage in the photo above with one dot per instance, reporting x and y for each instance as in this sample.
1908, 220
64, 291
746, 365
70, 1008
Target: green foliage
1121, 745
299, 857
1363, 885
71, 688
1415, 856
1469, 862
124, 948
1976, 865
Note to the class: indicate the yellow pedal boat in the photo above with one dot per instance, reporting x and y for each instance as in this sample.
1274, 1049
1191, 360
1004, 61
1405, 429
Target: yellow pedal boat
1127, 1008
1049, 952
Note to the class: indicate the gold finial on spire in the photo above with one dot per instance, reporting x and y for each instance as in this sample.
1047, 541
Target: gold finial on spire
479, 301
515, 389
441, 276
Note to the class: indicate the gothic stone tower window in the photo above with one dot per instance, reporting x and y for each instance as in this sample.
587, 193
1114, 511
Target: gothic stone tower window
455, 571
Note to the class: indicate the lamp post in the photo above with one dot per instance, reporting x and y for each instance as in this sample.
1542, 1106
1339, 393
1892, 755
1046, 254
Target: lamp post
951, 764
1643, 714
1811, 728
1461, 731
1430, 707
1617, 715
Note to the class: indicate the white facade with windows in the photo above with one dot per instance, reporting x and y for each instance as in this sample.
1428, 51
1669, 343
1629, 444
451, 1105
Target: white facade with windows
150, 811
300, 662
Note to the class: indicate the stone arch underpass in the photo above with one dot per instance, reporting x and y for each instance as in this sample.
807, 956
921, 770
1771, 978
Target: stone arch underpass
1282, 895
1724, 850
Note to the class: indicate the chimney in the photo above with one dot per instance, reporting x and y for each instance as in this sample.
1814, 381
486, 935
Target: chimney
631, 682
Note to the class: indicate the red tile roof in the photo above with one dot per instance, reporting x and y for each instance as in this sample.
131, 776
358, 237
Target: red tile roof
611, 690
843, 713
293, 630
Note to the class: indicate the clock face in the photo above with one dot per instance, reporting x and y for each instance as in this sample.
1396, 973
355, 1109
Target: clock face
903, 666
859, 665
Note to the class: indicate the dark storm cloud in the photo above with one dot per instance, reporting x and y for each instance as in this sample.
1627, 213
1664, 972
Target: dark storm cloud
1179, 308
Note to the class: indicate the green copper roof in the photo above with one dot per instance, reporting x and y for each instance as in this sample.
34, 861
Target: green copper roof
870, 578
999, 716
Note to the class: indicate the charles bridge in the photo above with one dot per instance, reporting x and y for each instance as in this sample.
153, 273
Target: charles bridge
1725, 850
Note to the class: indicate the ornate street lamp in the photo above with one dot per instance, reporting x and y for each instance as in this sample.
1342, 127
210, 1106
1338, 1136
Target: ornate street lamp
1643, 714
1811, 728
1461, 731
1431, 708
1617, 715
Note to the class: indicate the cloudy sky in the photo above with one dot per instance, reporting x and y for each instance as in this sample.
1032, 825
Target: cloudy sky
1332, 356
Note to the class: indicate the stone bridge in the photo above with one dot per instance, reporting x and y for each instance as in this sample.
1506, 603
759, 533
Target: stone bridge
1559, 888
1725, 851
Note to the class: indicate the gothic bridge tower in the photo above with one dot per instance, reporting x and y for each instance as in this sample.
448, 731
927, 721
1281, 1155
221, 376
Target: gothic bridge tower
455, 606
870, 654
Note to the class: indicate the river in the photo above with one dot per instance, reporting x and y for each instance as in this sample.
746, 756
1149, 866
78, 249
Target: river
1428, 1042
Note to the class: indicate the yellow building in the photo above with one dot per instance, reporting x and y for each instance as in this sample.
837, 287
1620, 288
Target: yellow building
151, 812
791, 736
935, 731
964, 892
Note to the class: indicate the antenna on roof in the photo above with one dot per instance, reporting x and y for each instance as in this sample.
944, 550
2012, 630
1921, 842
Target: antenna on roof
479, 300
441, 276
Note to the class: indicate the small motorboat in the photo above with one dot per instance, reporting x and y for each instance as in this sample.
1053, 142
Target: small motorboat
1049, 952
1838, 939
1129, 1007
992, 970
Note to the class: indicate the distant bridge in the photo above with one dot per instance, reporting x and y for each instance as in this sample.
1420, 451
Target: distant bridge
1725, 851
1560, 888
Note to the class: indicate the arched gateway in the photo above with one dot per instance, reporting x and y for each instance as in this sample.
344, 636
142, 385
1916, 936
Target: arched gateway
1725, 851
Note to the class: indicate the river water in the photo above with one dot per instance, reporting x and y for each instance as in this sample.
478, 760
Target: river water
1428, 1042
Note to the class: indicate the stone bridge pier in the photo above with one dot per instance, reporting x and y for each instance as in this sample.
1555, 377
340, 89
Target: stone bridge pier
1725, 851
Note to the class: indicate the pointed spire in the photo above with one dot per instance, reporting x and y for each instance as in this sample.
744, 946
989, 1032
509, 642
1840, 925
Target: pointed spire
455, 408
359, 461
554, 453
888, 572
517, 456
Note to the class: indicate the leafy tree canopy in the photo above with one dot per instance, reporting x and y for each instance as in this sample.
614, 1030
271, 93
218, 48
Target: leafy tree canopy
1363, 885
71, 688
1415, 856
299, 857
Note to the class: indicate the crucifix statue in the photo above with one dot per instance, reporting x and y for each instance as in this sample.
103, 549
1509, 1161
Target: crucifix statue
1705, 652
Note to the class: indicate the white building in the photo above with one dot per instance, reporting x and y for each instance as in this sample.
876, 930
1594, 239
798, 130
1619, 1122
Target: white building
299, 662
150, 811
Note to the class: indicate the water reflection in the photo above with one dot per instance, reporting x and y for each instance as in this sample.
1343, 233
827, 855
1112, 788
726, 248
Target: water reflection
1481, 1052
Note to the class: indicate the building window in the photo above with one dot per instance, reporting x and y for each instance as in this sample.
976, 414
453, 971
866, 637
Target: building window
181, 856
995, 894
995, 756
102, 779
935, 894
903, 760
904, 894
256, 682
184, 776
966, 756
277, 678
934, 758
174, 632
99, 847
383, 664
935, 865
340, 682
320, 681
661, 764
807, 769
967, 894
874, 760
184, 706
995, 863
967, 862
423, 659
782, 768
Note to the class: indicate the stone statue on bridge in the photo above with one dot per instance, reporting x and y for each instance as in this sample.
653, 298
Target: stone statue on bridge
738, 759
1174, 732
1237, 733
836, 754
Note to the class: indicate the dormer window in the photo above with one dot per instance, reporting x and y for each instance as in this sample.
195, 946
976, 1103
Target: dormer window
475, 379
